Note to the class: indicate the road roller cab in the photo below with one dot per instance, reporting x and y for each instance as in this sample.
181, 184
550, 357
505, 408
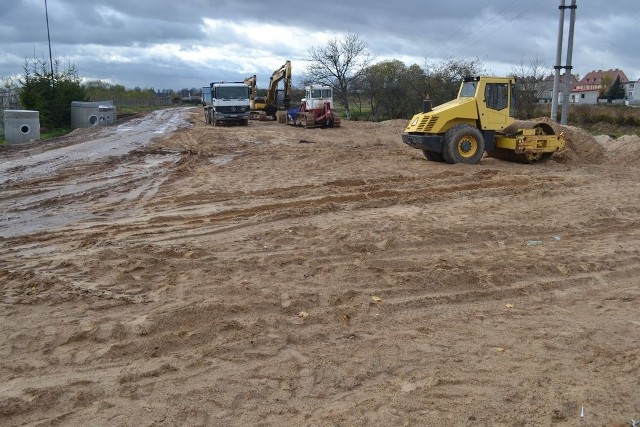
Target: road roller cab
480, 119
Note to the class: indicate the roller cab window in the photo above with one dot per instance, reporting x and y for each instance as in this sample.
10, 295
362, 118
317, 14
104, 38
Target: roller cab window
496, 96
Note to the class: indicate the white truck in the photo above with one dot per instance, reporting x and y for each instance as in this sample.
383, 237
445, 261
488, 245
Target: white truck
226, 102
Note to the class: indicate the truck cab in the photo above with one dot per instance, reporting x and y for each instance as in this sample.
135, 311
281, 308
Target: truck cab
229, 103
205, 97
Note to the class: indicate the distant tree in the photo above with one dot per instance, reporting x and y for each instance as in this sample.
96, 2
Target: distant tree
416, 79
605, 84
616, 91
50, 94
529, 77
338, 64
100, 91
392, 90
8, 94
443, 77
389, 88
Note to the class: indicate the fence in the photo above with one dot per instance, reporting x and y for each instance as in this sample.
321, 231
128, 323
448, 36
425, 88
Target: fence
8, 101
138, 101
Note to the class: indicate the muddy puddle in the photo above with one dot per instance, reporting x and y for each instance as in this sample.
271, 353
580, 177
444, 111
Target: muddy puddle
55, 203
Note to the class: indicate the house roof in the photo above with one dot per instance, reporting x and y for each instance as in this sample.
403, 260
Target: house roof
595, 77
551, 77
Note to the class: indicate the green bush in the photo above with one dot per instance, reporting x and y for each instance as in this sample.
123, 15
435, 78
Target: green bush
50, 94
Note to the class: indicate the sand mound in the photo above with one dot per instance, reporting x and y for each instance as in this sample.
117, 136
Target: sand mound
581, 148
395, 123
621, 151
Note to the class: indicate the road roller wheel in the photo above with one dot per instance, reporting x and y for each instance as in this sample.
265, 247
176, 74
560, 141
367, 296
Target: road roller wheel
541, 128
463, 144
533, 157
432, 156
530, 158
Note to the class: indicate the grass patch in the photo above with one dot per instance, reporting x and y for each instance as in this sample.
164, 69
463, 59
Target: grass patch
132, 111
44, 134
54, 133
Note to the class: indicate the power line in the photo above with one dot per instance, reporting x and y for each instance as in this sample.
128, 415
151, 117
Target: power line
505, 23
466, 24
477, 29
46, 11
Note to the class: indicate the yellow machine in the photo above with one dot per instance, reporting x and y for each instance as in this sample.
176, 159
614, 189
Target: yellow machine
267, 106
480, 119
254, 113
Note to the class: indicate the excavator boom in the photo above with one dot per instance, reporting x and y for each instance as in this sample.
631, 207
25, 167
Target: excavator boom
267, 106
281, 74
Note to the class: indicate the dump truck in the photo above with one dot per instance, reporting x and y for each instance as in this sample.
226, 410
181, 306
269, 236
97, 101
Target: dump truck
315, 109
480, 119
226, 102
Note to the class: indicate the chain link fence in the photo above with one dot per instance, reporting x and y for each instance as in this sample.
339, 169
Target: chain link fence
8, 101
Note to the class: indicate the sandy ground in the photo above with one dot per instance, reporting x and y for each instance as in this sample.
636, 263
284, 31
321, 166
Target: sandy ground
271, 275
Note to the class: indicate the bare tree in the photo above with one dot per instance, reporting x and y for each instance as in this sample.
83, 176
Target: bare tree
338, 64
443, 77
530, 80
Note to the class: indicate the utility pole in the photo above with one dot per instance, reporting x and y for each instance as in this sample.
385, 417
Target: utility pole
557, 66
56, 115
46, 11
567, 67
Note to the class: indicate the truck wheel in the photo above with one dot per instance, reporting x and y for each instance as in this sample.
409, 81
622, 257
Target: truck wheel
433, 156
463, 144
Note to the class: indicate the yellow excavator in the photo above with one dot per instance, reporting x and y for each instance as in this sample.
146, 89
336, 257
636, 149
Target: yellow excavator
266, 107
480, 119
254, 112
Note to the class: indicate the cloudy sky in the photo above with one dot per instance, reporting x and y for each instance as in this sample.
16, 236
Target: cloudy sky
168, 44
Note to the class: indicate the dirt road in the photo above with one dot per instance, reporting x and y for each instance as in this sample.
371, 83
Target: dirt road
271, 275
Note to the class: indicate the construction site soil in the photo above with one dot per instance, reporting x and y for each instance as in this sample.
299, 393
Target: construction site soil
273, 275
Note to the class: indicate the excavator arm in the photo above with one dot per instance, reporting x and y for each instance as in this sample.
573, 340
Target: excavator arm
253, 90
281, 74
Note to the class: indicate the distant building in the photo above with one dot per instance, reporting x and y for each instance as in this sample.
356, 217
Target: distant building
595, 84
546, 88
632, 93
